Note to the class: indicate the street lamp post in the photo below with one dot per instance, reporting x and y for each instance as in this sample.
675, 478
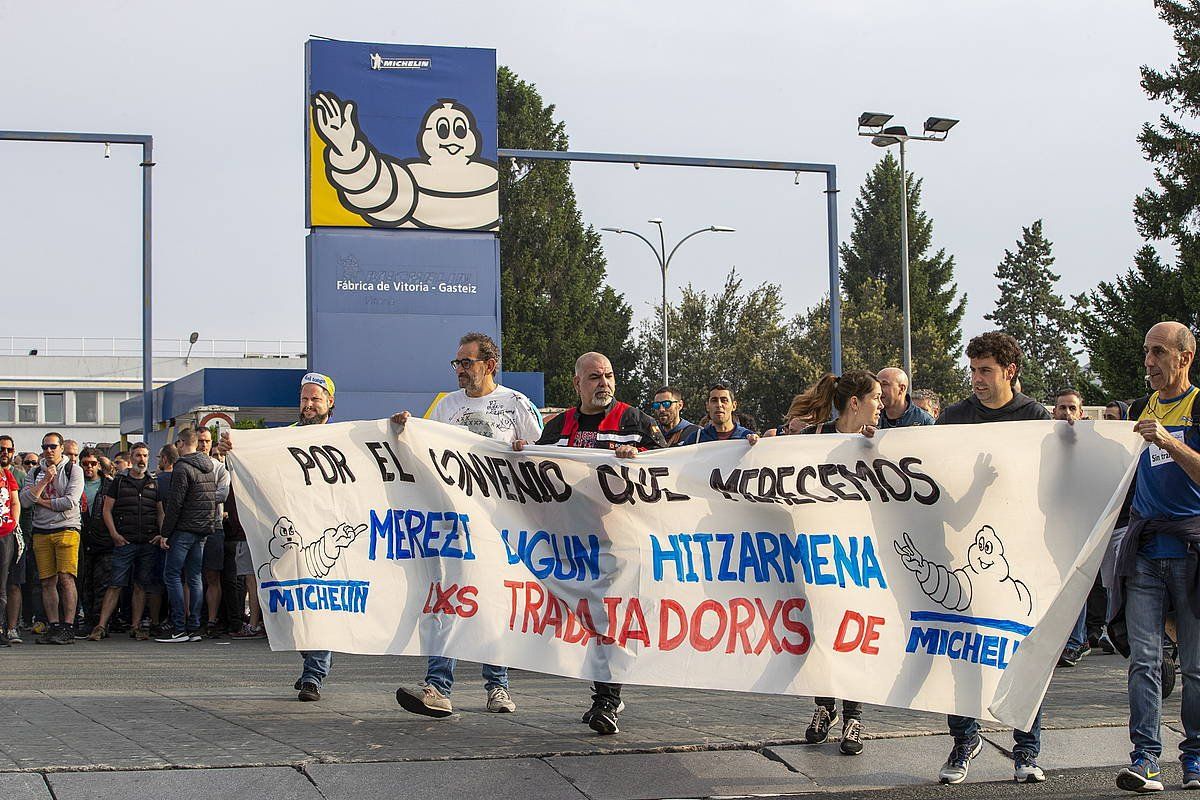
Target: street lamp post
664, 263
870, 123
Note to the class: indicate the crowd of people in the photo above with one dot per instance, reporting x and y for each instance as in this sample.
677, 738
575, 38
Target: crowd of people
88, 547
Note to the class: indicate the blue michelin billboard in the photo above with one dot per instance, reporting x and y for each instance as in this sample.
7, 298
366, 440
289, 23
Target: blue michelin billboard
403, 205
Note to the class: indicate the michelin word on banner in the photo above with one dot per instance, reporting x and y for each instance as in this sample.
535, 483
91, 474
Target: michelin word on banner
938, 568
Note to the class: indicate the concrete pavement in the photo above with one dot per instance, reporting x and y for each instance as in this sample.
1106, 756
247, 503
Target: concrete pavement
134, 720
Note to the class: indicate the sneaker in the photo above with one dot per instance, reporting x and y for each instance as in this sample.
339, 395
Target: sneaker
196, 636
14, 636
851, 743
1106, 645
499, 702
4, 642
603, 718
1084, 649
99, 632
39, 627
178, 637
1140, 776
248, 631
309, 692
429, 703
66, 635
213, 630
959, 761
822, 720
587, 715
49, 634
1191, 771
141, 634
1070, 657
1026, 769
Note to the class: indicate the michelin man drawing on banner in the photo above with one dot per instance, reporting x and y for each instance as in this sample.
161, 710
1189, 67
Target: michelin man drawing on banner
448, 186
292, 558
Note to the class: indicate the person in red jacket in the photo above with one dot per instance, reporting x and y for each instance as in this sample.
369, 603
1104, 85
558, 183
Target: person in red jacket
601, 420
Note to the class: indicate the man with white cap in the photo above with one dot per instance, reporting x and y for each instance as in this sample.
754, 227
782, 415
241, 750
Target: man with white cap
316, 407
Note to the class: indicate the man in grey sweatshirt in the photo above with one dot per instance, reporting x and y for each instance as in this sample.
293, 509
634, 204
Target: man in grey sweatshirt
52, 492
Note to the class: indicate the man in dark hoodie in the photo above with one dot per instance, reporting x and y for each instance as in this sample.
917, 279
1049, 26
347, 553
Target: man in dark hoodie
189, 515
899, 410
995, 363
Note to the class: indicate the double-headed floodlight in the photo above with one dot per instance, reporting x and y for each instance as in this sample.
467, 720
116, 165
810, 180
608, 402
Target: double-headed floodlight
871, 123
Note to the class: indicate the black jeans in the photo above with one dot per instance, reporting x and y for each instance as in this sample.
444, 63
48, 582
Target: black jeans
851, 709
609, 692
8, 552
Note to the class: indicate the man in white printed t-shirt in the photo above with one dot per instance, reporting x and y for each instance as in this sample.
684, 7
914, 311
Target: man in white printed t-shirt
484, 407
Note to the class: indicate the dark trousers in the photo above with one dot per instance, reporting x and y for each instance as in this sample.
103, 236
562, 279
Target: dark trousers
851, 709
1097, 609
233, 590
610, 692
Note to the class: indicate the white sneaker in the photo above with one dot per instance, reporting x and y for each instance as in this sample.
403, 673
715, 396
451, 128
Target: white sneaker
430, 702
499, 702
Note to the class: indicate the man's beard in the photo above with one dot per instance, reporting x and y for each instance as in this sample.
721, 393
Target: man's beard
317, 420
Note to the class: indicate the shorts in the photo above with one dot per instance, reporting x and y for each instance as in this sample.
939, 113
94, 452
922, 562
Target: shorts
56, 552
242, 560
16, 573
214, 552
142, 562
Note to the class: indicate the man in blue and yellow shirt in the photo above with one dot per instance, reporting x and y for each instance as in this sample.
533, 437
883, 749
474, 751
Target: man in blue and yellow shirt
1158, 557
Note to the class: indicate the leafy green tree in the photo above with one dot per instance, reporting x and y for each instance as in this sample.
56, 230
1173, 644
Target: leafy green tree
874, 253
1115, 316
739, 336
555, 302
1033, 312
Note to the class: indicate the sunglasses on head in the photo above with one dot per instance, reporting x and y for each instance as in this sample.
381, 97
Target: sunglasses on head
657, 404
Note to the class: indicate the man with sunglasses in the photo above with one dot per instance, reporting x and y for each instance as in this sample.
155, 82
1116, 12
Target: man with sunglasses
667, 410
484, 407
53, 489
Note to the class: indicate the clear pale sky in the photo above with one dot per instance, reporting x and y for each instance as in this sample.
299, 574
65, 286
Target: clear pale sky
1047, 93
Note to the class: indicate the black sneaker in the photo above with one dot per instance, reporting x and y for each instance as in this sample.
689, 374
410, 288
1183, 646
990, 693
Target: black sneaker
66, 635
177, 637
603, 718
49, 635
1070, 657
309, 692
587, 715
822, 720
1106, 645
851, 743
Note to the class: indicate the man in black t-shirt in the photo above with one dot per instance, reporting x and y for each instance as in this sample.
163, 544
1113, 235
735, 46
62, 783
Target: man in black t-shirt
600, 420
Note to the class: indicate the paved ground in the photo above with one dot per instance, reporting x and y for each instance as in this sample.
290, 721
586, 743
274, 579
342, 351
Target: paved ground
220, 719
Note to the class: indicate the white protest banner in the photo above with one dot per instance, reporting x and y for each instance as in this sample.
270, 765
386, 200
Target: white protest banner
936, 568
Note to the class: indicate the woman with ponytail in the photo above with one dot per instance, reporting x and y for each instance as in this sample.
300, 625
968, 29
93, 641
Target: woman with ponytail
858, 399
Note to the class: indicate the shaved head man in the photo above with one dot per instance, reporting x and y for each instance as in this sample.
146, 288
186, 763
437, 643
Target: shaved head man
899, 411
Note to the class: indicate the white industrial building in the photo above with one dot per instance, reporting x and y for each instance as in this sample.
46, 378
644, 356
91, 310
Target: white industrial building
75, 385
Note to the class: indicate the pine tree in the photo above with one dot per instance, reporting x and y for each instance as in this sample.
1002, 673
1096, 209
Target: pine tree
1031, 311
555, 304
874, 252
1116, 315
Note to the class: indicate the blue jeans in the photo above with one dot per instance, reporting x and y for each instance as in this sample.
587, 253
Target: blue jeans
1079, 635
1028, 742
316, 666
183, 563
1146, 594
440, 674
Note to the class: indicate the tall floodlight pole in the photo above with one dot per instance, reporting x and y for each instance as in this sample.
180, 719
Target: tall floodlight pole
147, 145
664, 263
870, 123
